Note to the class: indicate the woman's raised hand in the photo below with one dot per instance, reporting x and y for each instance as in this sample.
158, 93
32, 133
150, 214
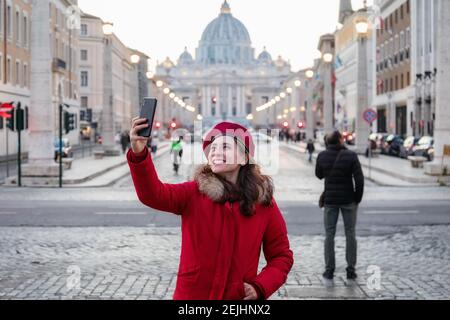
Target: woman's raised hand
138, 143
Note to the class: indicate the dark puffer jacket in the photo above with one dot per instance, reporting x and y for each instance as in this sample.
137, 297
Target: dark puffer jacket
346, 184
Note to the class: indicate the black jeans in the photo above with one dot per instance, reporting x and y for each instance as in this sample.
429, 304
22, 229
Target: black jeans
349, 214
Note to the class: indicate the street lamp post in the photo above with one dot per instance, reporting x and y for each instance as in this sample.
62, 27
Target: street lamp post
309, 108
108, 118
362, 127
327, 58
135, 61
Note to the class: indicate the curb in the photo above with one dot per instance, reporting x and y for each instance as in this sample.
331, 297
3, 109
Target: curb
112, 182
74, 183
399, 176
93, 176
418, 181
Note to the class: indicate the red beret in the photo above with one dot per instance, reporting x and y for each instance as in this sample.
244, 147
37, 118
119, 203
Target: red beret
232, 130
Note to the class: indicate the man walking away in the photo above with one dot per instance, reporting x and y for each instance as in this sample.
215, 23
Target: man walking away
344, 188
125, 141
310, 148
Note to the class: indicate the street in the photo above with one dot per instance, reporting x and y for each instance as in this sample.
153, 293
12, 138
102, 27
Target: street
126, 250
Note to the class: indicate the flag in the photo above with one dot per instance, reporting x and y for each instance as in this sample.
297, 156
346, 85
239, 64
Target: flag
338, 62
381, 23
333, 79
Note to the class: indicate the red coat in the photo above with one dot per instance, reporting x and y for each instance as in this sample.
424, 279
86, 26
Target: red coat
220, 247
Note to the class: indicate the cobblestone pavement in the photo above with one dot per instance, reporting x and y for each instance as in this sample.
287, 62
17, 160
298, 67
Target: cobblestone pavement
141, 263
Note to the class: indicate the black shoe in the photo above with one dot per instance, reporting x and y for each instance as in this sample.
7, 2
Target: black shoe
351, 275
329, 275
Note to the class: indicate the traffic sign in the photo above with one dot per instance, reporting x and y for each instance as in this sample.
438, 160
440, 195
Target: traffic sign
6, 107
5, 115
370, 115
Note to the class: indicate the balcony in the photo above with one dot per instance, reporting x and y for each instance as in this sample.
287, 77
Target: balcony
59, 65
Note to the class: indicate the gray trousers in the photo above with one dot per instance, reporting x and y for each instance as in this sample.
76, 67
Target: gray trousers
349, 214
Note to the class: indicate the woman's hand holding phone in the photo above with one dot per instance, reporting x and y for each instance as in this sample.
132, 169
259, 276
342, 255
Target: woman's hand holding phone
138, 143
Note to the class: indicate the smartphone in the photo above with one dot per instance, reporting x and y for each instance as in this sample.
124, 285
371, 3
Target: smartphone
148, 110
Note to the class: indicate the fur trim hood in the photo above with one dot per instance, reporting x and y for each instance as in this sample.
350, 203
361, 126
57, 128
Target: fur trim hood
213, 188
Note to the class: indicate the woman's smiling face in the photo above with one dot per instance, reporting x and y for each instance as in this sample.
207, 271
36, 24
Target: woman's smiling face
225, 156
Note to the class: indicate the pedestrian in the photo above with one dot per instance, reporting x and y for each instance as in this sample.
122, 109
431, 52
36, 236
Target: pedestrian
176, 150
125, 141
227, 214
310, 148
340, 167
152, 144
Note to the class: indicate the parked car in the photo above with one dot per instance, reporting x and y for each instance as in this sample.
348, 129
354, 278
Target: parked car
425, 148
395, 144
382, 144
349, 138
67, 151
408, 145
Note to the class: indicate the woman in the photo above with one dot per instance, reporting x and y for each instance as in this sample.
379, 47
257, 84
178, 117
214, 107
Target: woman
227, 214
176, 150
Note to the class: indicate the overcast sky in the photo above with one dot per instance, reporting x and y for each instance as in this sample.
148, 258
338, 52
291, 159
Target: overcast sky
162, 28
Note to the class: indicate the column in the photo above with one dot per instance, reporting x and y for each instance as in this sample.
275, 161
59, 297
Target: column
41, 169
244, 102
309, 111
442, 130
108, 119
230, 101
362, 127
328, 99
208, 101
238, 100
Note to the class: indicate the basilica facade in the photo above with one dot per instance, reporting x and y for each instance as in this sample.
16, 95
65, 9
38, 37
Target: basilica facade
225, 81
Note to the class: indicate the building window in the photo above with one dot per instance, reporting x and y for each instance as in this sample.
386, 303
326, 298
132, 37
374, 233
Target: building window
407, 7
25, 75
401, 12
8, 69
84, 55
84, 102
17, 73
84, 79
407, 79
17, 31
25, 31
9, 22
84, 29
